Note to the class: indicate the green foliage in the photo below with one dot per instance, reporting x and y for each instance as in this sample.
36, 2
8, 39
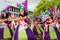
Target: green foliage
46, 5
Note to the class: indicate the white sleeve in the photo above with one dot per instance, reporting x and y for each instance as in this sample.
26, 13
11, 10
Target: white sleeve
57, 26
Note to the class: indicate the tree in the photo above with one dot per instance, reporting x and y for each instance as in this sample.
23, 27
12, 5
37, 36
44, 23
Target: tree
46, 5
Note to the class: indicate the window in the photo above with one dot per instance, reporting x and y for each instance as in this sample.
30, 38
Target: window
14, 10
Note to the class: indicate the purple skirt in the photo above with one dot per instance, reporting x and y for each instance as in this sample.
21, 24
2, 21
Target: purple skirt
16, 33
30, 34
1, 33
46, 33
35, 30
57, 32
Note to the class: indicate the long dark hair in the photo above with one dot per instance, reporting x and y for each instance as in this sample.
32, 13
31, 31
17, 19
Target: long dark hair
25, 13
7, 16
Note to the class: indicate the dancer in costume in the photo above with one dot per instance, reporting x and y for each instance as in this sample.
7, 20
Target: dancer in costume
53, 34
5, 17
4, 29
56, 28
41, 28
49, 32
13, 22
46, 27
37, 29
23, 32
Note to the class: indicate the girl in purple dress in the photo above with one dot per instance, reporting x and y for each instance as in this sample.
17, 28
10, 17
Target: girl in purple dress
4, 29
5, 17
23, 32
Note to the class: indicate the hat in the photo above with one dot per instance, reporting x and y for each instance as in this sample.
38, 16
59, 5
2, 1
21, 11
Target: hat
20, 7
47, 13
4, 11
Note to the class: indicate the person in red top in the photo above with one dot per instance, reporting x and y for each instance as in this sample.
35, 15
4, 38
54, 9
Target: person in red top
48, 20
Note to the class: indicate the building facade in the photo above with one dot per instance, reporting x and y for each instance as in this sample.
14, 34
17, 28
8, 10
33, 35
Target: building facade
14, 10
